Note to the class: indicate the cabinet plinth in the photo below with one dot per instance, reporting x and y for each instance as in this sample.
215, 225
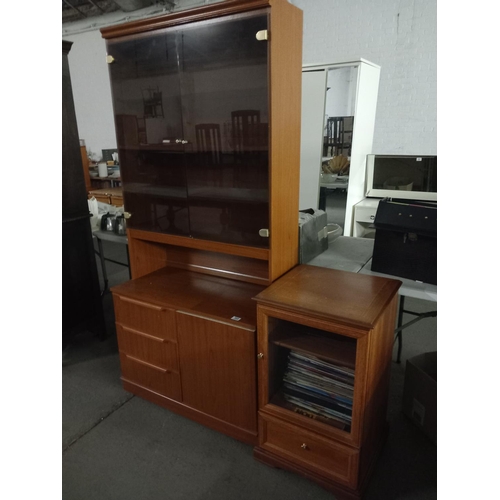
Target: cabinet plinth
325, 344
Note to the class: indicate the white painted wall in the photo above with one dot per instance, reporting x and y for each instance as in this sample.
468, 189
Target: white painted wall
398, 35
401, 37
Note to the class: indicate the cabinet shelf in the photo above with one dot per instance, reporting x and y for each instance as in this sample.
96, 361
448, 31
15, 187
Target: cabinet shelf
338, 352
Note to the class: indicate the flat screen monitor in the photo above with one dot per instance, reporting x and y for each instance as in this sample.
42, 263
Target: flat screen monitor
402, 176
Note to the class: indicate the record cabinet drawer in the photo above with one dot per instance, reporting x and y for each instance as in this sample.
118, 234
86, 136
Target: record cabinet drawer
149, 348
145, 317
154, 378
309, 449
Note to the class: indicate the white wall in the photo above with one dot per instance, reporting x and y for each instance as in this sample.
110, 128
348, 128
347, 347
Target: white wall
399, 35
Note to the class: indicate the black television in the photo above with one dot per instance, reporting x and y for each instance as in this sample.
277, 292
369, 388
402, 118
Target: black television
402, 177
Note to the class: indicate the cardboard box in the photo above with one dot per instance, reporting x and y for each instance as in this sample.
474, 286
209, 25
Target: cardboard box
420, 393
313, 234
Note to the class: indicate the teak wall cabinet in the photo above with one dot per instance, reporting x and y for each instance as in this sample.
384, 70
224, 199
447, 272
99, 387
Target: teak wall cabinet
207, 115
346, 320
215, 169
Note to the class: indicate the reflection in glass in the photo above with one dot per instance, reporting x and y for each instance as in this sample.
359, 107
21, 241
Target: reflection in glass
224, 86
191, 115
337, 142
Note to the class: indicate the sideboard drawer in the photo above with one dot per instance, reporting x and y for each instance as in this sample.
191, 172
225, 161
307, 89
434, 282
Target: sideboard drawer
144, 317
149, 348
154, 378
309, 449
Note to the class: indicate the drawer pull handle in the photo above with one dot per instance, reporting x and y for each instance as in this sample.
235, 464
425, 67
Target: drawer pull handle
143, 304
163, 370
260, 355
142, 334
304, 446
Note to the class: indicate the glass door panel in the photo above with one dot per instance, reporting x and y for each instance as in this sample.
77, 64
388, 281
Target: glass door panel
148, 120
224, 95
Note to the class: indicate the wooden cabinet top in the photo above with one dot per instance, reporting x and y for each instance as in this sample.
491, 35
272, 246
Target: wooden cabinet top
345, 297
204, 12
107, 191
199, 294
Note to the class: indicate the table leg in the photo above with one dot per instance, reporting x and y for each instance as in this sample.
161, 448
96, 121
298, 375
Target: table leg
128, 260
103, 266
399, 334
400, 327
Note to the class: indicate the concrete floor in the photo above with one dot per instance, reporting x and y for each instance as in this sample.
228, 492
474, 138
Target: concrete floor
118, 446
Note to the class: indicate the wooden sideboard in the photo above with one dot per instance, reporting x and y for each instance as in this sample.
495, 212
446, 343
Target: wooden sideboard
187, 342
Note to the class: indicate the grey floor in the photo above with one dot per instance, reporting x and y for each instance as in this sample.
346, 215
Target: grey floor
335, 206
118, 446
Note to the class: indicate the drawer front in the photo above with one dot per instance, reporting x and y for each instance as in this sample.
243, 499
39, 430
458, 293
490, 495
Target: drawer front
149, 348
365, 214
157, 379
310, 450
102, 198
144, 317
117, 201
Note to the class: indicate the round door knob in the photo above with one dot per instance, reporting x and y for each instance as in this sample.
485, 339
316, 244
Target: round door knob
260, 355
304, 446
177, 141
184, 141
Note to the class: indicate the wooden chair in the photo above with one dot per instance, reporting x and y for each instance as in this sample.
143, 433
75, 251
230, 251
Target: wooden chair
246, 131
338, 136
208, 144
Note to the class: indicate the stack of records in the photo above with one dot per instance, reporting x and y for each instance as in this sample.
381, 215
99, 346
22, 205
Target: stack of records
319, 388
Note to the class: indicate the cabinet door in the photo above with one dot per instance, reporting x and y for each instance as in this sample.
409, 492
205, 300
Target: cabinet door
224, 89
192, 125
218, 370
148, 120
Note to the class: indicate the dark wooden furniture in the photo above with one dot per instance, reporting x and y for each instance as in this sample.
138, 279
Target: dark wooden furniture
347, 320
81, 299
202, 245
85, 165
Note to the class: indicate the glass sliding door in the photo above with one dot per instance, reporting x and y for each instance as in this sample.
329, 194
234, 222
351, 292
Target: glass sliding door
224, 89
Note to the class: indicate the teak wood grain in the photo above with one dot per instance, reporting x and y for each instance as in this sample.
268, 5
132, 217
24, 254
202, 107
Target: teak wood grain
149, 252
335, 305
204, 295
218, 367
190, 337
285, 109
355, 299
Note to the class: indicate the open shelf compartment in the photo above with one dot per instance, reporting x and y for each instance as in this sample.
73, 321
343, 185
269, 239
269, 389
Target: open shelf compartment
312, 372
